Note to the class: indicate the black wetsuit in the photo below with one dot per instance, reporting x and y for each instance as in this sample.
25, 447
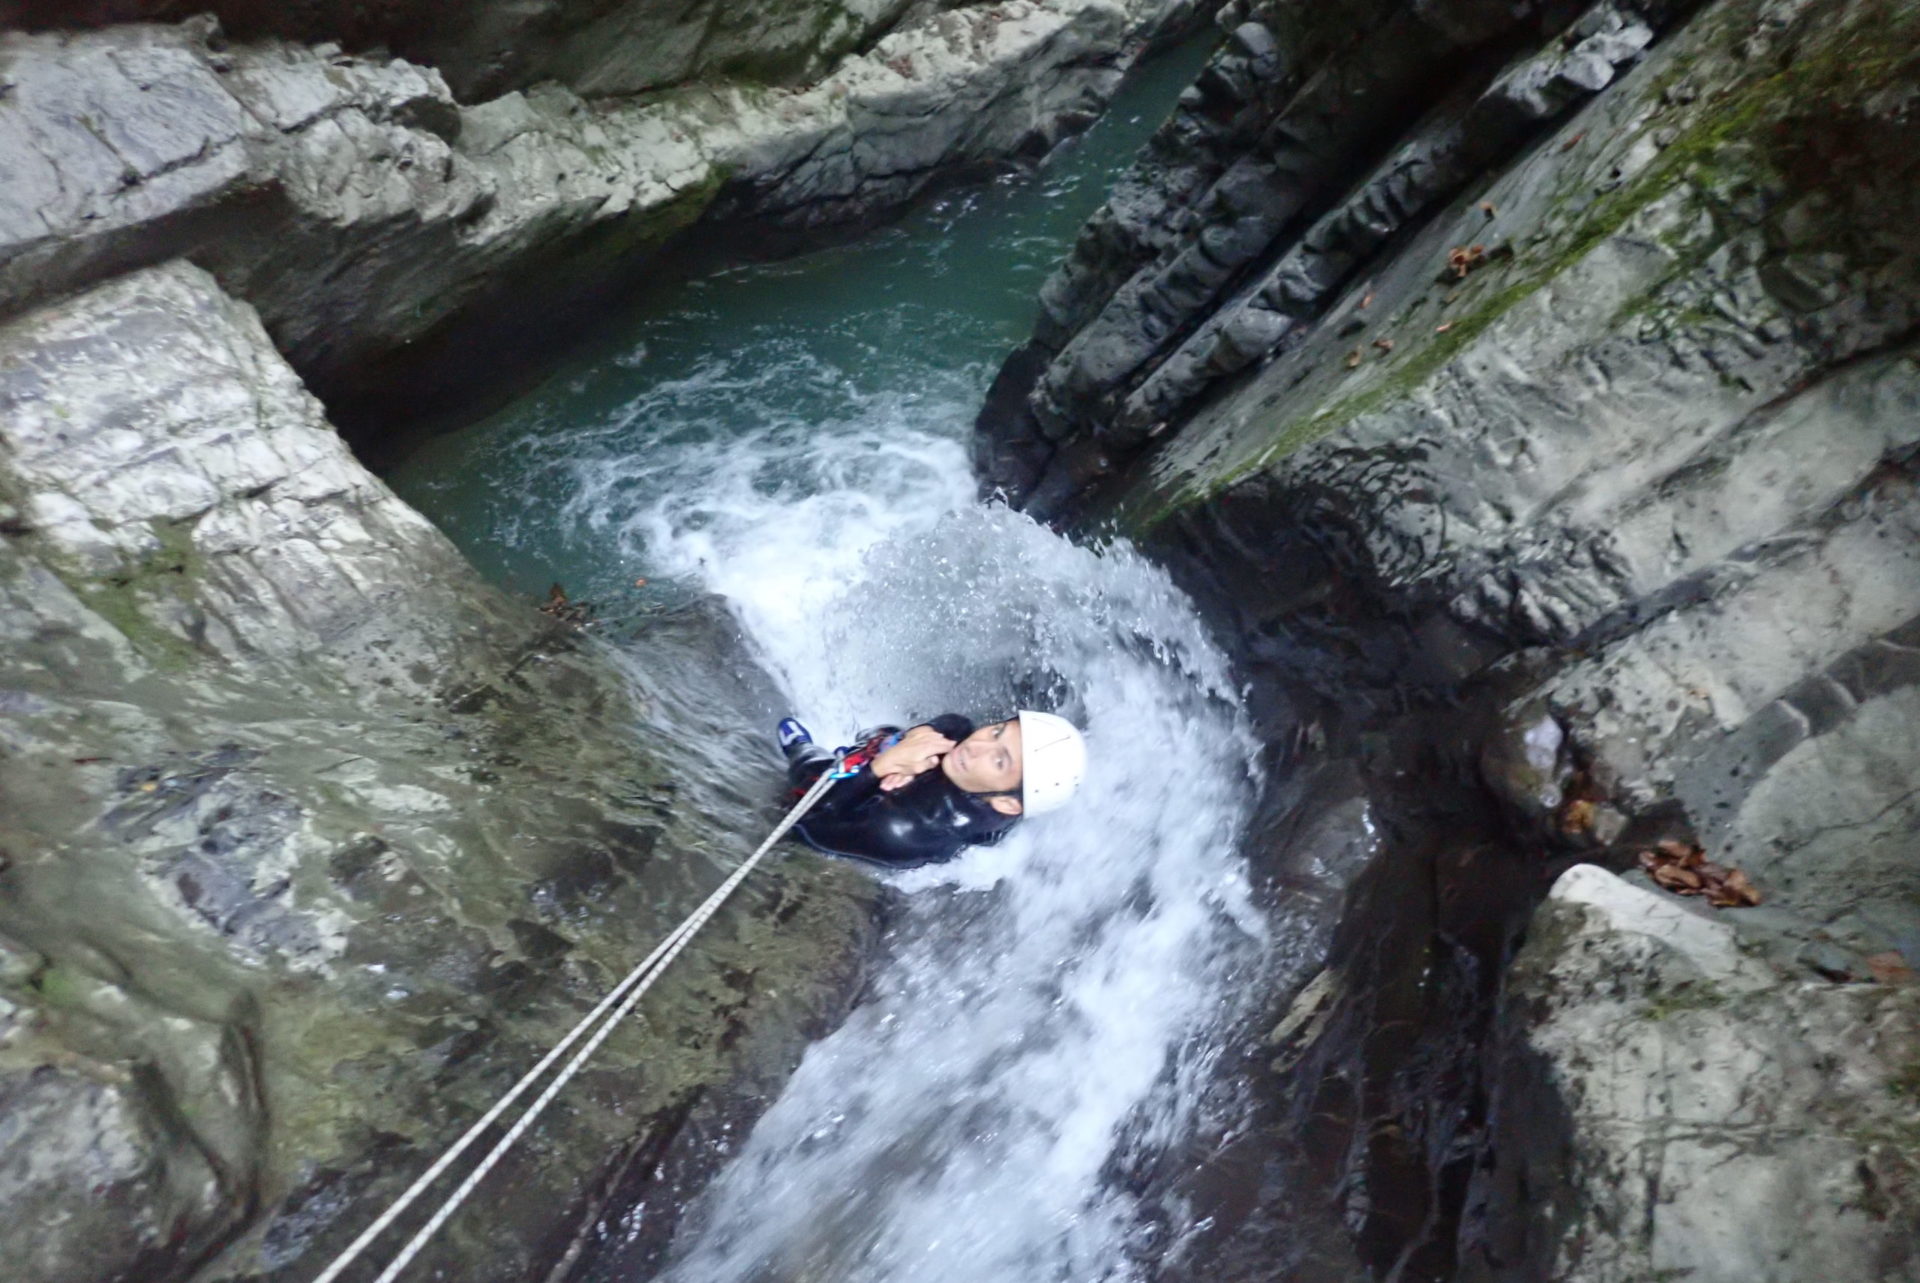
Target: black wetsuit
925, 822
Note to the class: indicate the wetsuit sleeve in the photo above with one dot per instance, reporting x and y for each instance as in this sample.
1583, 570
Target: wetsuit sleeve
858, 818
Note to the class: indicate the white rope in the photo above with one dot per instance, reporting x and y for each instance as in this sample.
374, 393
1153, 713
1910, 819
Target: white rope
627, 993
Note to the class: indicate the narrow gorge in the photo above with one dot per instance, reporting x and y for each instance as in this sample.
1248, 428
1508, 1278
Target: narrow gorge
1457, 459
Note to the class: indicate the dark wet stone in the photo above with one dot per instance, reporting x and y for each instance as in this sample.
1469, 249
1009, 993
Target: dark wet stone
537, 942
1823, 701
1878, 668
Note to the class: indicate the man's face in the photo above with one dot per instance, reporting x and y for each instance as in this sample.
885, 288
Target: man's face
987, 761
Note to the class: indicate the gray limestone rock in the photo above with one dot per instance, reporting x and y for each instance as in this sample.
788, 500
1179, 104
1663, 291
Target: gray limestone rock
1588, 404
308, 837
1276, 237
363, 210
495, 46
1710, 1119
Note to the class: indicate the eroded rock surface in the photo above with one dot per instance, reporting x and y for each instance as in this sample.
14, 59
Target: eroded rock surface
1722, 1120
598, 46
361, 209
1554, 405
310, 841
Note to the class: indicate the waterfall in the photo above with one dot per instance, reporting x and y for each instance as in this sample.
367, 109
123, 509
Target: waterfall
1049, 1002
790, 438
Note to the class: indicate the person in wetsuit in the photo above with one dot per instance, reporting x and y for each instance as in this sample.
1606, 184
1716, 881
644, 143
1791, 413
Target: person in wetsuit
920, 796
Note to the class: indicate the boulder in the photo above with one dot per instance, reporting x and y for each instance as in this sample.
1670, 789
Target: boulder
1674, 1107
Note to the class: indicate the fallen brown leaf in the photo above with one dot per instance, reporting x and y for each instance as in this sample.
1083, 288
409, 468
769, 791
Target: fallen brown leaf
1576, 816
1385, 345
1683, 868
1462, 259
1573, 142
1366, 300
1673, 877
1733, 893
567, 612
1443, 327
1353, 359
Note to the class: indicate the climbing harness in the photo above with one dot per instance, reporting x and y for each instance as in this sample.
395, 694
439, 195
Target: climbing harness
850, 762
620, 1000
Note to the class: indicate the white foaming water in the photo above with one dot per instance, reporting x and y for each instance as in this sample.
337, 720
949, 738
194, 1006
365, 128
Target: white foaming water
1051, 1005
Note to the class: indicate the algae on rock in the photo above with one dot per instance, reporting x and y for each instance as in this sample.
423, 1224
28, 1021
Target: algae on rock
311, 838
1615, 433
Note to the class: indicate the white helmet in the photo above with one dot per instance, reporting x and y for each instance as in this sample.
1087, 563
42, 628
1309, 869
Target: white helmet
1053, 760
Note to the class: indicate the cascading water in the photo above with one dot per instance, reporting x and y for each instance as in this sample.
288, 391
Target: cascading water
1051, 1005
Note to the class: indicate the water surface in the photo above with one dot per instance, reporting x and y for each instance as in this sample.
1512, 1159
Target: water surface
791, 438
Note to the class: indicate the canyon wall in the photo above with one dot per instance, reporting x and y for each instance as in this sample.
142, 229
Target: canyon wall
404, 245
311, 841
489, 47
1531, 390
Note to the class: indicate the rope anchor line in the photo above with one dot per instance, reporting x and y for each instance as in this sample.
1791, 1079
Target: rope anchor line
620, 1000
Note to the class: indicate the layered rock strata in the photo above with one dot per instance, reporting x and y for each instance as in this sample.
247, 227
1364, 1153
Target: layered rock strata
1573, 431
491, 47
362, 209
1260, 223
310, 842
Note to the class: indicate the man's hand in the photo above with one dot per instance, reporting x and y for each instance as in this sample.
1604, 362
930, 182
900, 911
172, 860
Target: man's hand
918, 751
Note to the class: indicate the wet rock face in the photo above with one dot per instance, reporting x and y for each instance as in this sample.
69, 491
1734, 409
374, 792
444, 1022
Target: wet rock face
398, 242
209, 495
1254, 223
1716, 1118
1579, 399
309, 839
493, 46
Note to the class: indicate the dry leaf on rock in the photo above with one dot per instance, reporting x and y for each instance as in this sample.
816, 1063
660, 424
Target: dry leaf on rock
1576, 816
1683, 868
567, 612
1462, 259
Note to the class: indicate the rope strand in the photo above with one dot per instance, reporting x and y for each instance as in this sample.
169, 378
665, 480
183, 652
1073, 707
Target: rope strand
626, 994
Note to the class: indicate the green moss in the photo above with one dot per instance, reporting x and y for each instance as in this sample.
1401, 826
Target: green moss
1905, 1081
126, 598
651, 228
61, 988
1729, 140
783, 63
1689, 995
